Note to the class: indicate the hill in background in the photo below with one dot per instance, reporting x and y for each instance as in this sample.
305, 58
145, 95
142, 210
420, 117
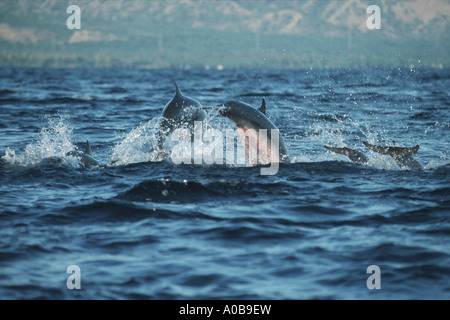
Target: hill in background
229, 34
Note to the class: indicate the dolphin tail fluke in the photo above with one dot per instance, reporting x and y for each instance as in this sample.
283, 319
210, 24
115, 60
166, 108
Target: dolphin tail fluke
394, 152
263, 106
88, 149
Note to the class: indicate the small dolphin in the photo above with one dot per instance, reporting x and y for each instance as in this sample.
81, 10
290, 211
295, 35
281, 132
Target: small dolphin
401, 155
394, 152
246, 117
180, 112
84, 157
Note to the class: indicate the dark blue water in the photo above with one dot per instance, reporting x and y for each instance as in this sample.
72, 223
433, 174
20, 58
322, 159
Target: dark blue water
139, 228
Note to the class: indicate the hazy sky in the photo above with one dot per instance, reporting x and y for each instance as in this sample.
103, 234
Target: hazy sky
233, 33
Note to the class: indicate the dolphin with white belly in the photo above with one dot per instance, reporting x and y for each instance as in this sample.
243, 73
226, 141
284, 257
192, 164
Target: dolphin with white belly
255, 129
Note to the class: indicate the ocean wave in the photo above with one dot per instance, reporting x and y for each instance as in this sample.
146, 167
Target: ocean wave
140, 228
169, 191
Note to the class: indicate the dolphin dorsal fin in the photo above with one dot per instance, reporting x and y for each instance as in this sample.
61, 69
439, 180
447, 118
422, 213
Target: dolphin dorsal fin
263, 106
88, 149
178, 91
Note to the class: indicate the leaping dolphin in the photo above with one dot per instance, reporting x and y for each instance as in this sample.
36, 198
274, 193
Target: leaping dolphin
180, 112
394, 152
246, 118
401, 155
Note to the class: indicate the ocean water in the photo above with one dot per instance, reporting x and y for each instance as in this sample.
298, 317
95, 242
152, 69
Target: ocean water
141, 228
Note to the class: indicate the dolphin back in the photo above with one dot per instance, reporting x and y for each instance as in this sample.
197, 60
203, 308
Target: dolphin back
180, 112
182, 106
245, 115
394, 152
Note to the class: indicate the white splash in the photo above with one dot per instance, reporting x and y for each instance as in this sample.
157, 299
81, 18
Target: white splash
137, 146
140, 144
53, 141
